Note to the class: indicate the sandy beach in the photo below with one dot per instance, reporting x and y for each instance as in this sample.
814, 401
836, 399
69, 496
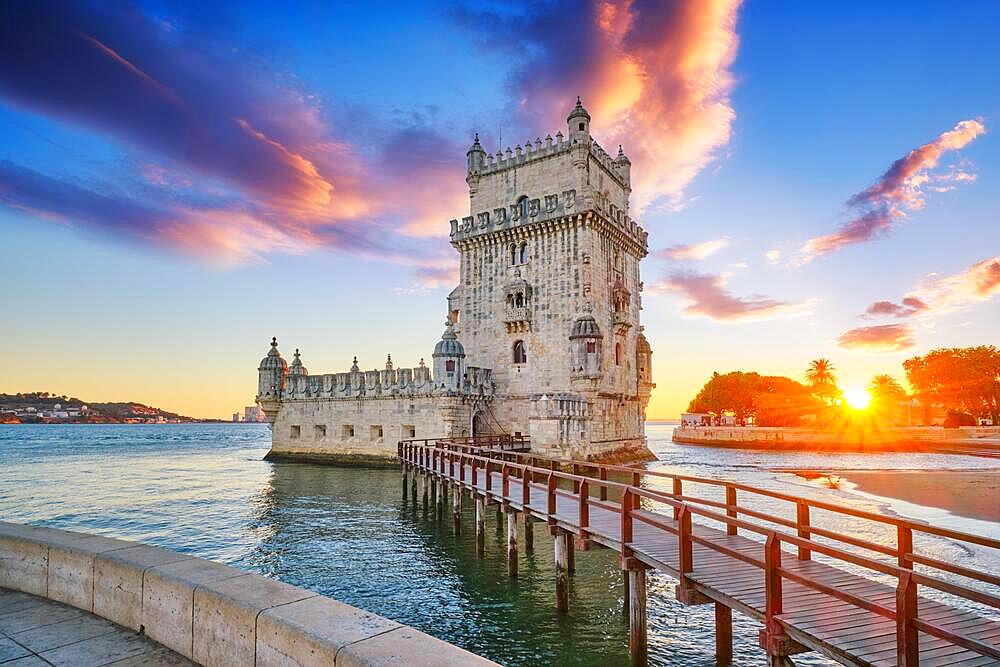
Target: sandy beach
974, 495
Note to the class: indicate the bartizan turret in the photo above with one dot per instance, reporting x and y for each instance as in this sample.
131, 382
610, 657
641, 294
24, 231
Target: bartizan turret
271, 381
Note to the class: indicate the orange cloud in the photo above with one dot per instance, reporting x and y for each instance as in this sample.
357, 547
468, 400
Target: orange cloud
884, 204
695, 250
979, 282
707, 297
879, 338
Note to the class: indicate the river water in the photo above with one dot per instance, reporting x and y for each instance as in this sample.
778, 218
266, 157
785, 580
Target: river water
348, 534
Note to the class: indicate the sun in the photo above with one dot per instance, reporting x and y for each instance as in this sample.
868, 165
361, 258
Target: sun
857, 398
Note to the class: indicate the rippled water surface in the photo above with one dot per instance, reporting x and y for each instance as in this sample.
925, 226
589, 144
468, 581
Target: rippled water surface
348, 533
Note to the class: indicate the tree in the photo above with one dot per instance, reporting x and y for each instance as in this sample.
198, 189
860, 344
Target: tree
771, 400
964, 379
885, 387
820, 372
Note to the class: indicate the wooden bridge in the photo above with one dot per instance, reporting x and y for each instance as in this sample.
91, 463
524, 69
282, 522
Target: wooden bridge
834, 604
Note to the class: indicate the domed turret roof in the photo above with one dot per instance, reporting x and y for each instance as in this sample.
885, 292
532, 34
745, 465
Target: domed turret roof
449, 346
273, 359
297, 368
578, 112
586, 327
476, 147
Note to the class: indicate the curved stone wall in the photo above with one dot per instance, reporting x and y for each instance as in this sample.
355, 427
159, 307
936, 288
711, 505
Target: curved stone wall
211, 613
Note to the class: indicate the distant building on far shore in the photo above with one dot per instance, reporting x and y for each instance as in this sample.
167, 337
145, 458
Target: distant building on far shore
253, 413
236, 417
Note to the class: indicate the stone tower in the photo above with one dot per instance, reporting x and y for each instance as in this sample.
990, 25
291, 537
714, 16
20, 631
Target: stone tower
550, 295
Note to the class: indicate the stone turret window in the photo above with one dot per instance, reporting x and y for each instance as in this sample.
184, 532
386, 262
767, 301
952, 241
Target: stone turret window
519, 254
449, 366
295, 432
319, 431
591, 347
618, 354
347, 431
520, 352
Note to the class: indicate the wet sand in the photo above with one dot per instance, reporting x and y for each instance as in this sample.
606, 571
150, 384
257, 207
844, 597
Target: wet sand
975, 495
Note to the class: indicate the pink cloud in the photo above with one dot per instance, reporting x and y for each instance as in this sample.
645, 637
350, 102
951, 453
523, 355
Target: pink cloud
876, 209
707, 297
879, 338
909, 306
695, 250
979, 282
655, 76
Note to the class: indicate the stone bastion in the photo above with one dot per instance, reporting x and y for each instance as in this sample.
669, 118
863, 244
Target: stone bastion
211, 613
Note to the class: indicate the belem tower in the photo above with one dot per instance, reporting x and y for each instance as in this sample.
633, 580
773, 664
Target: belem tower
542, 336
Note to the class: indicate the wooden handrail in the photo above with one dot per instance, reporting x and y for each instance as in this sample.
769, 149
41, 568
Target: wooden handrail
685, 507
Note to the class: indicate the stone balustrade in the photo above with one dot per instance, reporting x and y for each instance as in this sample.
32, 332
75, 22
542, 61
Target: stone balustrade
211, 613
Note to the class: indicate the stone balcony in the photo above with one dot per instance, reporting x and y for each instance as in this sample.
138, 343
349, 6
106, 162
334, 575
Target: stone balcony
517, 318
621, 320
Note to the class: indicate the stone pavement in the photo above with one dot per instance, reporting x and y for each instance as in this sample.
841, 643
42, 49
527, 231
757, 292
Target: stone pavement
36, 632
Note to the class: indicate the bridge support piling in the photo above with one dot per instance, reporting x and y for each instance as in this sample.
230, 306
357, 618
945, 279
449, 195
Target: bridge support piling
406, 485
424, 483
439, 505
456, 509
723, 634
413, 487
512, 544
480, 526
562, 571
529, 534
625, 594
637, 646
499, 519
570, 555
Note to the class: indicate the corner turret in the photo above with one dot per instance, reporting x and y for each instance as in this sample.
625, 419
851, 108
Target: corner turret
449, 359
579, 123
271, 381
624, 166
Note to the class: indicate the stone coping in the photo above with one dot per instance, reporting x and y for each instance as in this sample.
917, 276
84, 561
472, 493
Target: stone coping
211, 613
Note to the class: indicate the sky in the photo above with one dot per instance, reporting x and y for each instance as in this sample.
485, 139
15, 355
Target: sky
180, 181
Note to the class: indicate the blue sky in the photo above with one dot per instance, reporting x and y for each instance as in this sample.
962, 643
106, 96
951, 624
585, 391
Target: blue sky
179, 182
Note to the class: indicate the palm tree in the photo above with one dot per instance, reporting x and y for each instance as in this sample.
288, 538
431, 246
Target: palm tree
820, 372
885, 386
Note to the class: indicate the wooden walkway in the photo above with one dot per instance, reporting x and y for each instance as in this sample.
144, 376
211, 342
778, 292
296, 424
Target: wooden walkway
803, 603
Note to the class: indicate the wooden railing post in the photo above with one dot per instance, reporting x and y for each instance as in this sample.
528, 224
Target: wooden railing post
802, 524
451, 464
730, 509
584, 510
626, 525
576, 483
525, 489
489, 476
504, 481
551, 509
772, 585
907, 638
904, 546
475, 473
678, 492
603, 474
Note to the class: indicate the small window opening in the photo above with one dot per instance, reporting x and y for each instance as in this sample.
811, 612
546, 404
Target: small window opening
520, 352
618, 354
295, 432
449, 366
376, 431
581, 127
522, 204
319, 431
348, 431
513, 255
523, 259
409, 431
591, 347
454, 316
518, 300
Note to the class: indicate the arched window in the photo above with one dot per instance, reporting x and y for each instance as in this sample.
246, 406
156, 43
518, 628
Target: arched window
518, 300
591, 347
524, 253
618, 354
520, 352
513, 255
522, 205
